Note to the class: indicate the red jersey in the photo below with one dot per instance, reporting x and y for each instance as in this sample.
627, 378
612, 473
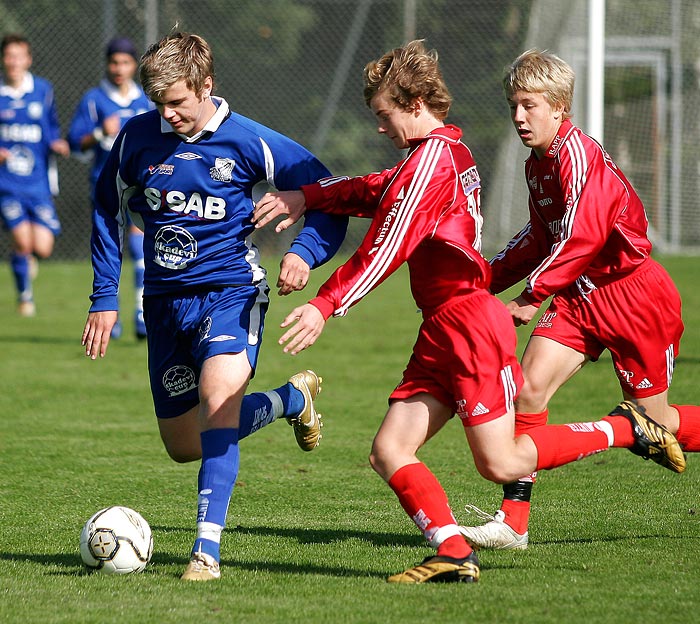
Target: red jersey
587, 224
425, 211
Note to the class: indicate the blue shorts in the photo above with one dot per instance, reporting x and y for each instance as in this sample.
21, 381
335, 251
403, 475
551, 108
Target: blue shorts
14, 210
184, 331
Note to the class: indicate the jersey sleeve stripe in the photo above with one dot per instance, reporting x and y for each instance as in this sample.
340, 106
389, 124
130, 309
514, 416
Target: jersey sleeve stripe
579, 168
397, 232
269, 162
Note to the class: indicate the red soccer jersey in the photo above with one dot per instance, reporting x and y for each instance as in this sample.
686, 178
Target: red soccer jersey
587, 224
425, 211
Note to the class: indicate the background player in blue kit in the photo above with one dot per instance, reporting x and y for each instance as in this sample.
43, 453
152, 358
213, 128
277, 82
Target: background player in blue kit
186, 173
96, 123
29, 136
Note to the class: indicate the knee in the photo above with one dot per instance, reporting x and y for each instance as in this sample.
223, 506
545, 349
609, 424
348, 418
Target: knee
180, 453
375, 460
495, 472
182, 457
378, 459
532, 398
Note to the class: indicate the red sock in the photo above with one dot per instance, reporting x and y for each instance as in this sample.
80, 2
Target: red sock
688, 434
424, 500
524, 421
560, 444
622, 431
517, 514
517, 510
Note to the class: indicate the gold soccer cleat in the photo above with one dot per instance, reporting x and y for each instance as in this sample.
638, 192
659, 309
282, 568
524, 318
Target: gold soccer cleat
202, 567
652, 440
307, 424
441, 570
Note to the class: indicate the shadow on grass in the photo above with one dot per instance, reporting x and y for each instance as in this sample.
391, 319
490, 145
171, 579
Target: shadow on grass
70, 564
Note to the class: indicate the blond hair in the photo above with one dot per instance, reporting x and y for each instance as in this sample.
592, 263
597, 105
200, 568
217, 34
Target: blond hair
406, 74
536, 71
178, 56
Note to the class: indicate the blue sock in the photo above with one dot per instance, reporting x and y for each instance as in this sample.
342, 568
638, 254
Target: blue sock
258, 410
292, 399
20, 271
136, 247
217, 476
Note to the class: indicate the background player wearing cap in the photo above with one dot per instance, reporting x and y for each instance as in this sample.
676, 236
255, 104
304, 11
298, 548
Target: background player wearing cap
29, 137
96, 122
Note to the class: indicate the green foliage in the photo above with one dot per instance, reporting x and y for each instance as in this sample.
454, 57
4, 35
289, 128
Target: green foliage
312, 536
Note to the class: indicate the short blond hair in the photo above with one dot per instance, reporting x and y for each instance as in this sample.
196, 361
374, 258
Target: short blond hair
178, 56
406, 74
537, 71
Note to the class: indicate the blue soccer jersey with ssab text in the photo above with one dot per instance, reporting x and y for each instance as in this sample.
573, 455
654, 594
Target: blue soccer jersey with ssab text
193, 199
28, 126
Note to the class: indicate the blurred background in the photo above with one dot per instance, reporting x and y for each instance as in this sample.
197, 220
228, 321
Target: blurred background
296, 66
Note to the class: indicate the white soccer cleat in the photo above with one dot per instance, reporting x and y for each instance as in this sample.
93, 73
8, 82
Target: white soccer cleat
202, 567
495, 534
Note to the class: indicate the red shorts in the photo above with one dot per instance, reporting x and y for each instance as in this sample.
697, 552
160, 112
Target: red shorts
637, 318
465, 357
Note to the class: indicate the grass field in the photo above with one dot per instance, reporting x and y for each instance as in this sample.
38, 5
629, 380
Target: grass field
313, 536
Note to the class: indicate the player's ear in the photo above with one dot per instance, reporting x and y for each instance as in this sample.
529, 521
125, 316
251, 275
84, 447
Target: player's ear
208, 85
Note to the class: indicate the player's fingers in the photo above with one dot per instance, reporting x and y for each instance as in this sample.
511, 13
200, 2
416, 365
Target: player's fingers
285, 288
297, 344
283, 225
86, 334
290, 318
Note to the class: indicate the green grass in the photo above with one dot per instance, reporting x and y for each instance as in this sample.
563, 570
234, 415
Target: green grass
313, 536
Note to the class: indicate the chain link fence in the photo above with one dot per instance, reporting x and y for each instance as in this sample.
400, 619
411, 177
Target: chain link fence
296, 65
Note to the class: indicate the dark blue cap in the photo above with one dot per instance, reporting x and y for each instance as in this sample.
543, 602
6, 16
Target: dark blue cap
121, 44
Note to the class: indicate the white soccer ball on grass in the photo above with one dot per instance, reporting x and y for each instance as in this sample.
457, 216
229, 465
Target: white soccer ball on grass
116, 540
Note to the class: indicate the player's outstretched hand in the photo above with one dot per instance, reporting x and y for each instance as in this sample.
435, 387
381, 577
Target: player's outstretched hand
97, 332
309, 325
294, 274
273, 205
521, 311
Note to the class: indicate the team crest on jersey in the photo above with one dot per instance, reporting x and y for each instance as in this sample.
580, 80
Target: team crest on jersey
222, 169
35, 110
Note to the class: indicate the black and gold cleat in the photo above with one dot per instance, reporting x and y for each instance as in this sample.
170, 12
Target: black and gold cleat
652, 440
441, 570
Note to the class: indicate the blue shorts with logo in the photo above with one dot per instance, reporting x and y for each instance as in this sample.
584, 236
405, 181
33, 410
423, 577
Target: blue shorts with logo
14, 210
184, 331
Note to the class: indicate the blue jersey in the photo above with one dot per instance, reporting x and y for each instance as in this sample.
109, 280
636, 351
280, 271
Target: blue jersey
96, 105
193, 200
28, 126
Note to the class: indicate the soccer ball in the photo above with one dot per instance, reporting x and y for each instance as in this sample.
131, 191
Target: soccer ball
116, 540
